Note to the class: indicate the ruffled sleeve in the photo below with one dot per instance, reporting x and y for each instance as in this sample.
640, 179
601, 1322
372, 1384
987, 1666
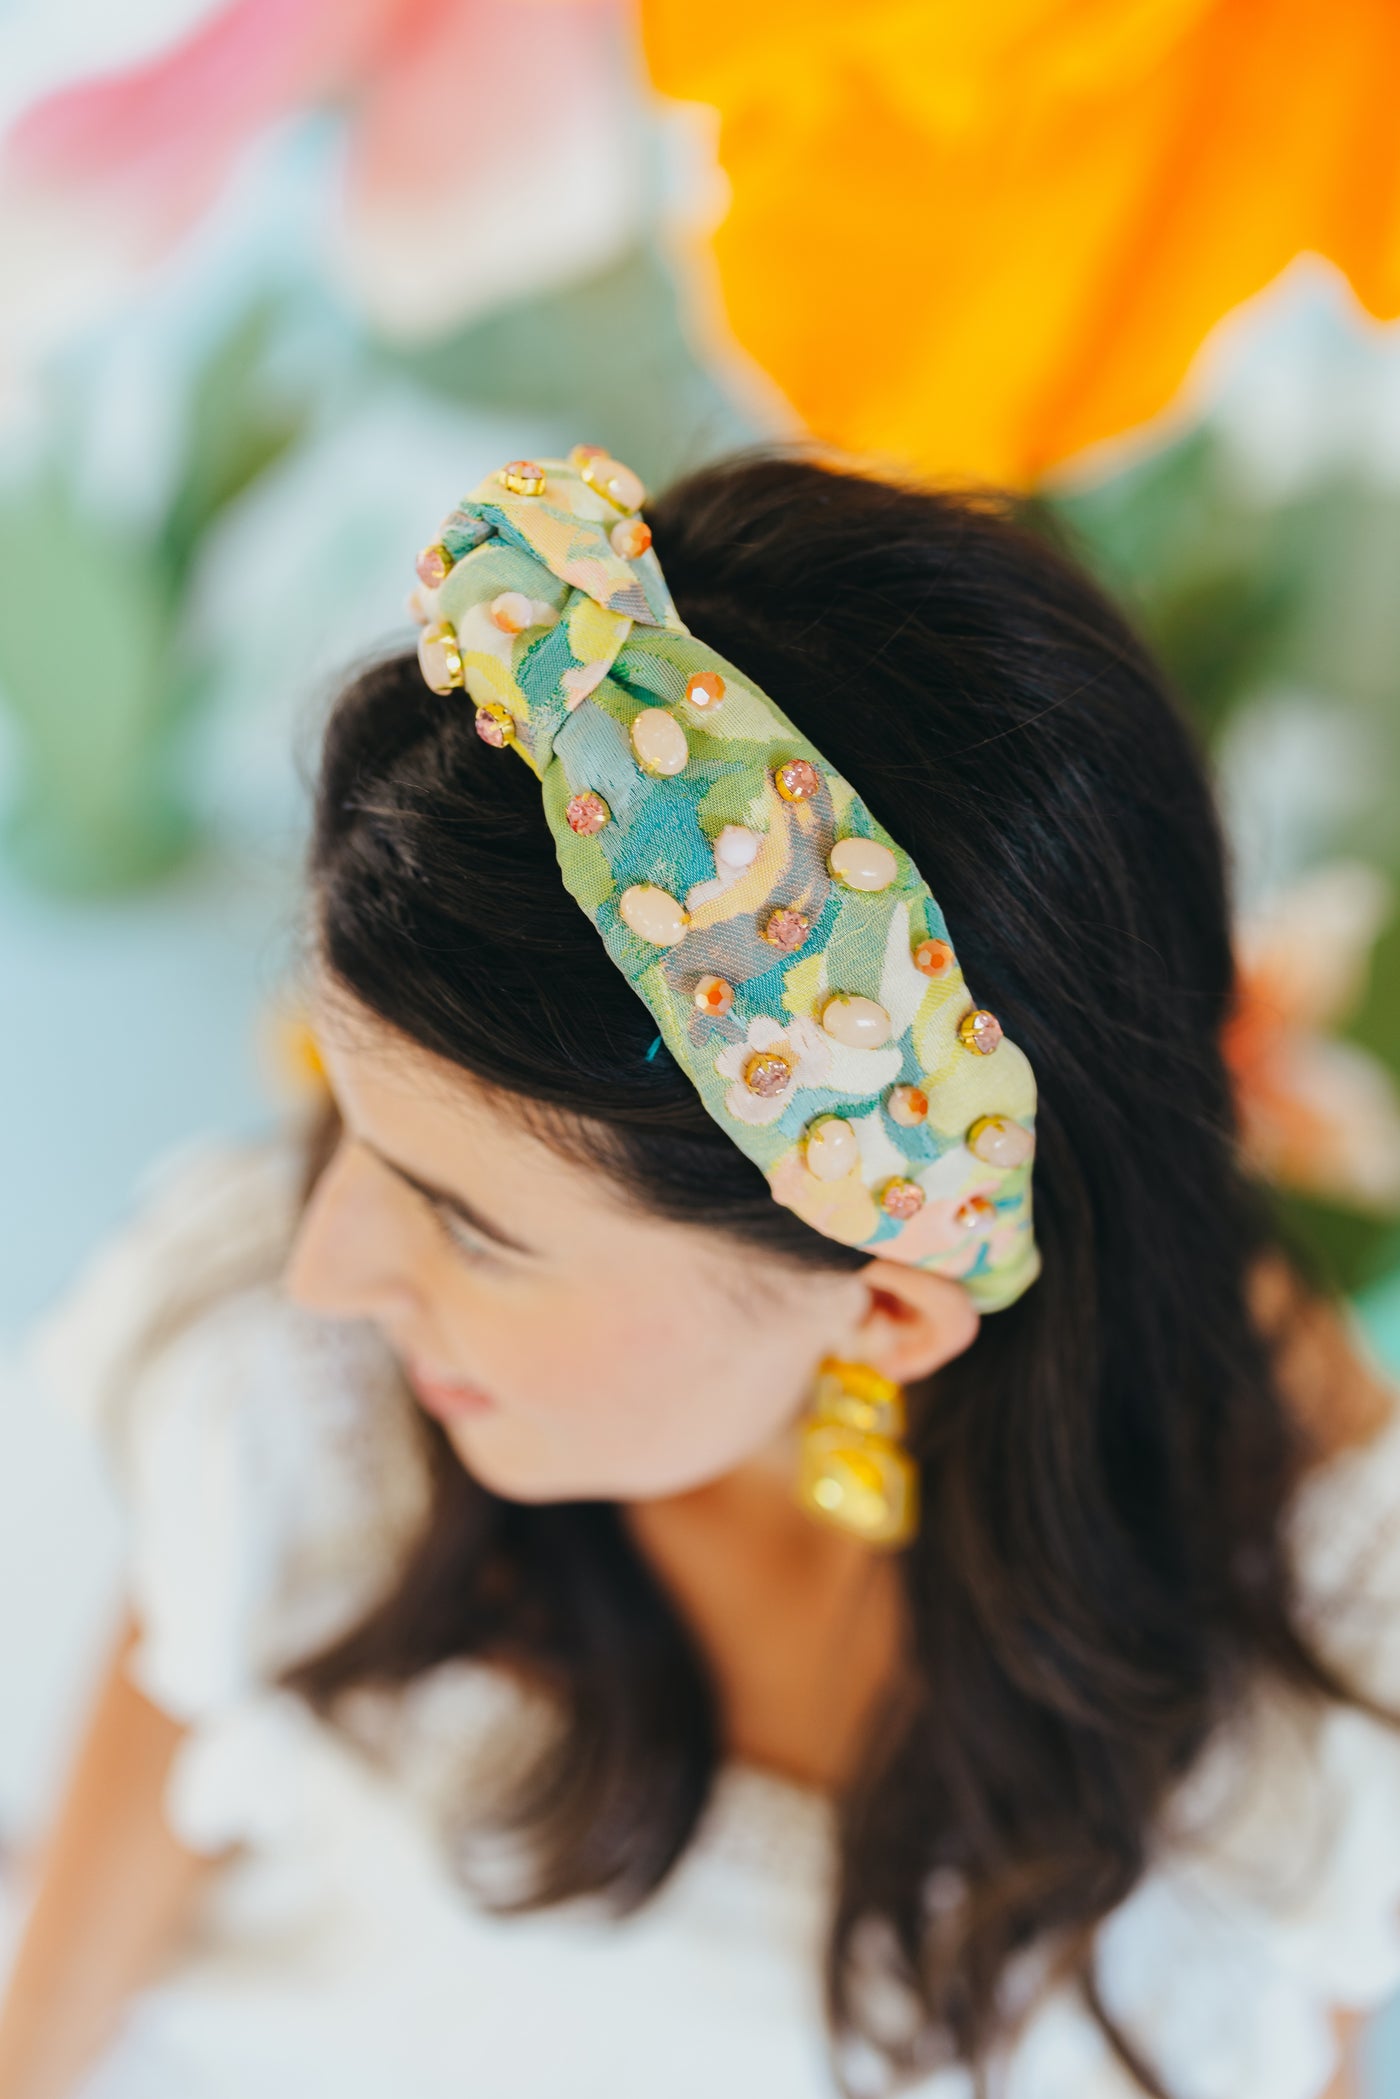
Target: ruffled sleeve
1274, 1900
267, 1461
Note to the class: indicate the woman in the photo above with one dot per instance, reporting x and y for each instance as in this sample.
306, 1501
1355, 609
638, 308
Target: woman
818, 1625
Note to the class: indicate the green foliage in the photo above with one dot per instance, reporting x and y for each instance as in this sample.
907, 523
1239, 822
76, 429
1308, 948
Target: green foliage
609, 355
1376, 1022
238, 423
1352, 1251
1240, 591
89, 687
1171, 538
102, 695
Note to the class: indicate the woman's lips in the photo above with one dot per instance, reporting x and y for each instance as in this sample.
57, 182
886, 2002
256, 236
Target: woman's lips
447, 1398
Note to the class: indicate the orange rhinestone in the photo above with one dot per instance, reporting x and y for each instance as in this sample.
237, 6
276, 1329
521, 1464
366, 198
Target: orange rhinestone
976, 1214
934, 958
704, 689
511, 611
713, 995
630, 538
908, 1106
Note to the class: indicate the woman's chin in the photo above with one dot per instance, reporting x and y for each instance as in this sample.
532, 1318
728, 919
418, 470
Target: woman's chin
517, 1468
491, 1452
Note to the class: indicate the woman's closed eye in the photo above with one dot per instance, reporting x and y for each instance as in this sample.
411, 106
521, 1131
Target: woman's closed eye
480, 1243
470, 1245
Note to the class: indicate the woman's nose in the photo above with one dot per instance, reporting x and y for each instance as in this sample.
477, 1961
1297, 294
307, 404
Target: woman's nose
345, 1261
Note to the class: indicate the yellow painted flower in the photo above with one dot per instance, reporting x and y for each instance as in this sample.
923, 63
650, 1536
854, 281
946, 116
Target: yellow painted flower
843, 1210
981, 238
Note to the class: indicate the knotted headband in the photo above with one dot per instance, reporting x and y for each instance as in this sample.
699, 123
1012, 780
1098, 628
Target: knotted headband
798, 967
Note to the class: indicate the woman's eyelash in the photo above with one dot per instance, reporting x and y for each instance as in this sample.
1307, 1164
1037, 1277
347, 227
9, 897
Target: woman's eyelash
458, 1236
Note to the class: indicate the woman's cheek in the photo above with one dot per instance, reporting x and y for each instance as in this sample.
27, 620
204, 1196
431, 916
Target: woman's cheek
550, 1352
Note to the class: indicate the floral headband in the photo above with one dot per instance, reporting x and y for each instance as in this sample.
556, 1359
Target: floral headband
796, 963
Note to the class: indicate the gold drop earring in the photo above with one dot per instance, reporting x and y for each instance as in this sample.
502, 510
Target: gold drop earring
853, 1472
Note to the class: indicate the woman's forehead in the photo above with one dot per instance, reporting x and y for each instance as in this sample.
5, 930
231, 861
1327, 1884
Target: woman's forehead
447, 1130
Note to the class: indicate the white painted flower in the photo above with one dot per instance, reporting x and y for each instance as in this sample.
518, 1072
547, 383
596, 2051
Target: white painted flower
803, 1046
861, 1074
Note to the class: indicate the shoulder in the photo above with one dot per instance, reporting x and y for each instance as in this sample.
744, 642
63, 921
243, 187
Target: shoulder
267, 1461
205, 1223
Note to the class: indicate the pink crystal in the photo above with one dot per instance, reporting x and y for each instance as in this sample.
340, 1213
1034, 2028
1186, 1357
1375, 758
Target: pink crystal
489, 729
523, 477
902, 1199
980, 1031
787, 928
798, 780
766, 1074
433, 565
587, 813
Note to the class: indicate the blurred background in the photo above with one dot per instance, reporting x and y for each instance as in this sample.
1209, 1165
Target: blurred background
281, 278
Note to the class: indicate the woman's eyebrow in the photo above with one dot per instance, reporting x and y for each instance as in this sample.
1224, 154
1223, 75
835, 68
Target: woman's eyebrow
456, 1205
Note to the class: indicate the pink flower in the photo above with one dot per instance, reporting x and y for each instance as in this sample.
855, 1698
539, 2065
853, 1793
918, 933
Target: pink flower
487, 148
934, 1235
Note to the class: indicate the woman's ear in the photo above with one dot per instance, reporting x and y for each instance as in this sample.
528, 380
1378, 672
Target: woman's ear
913, 1321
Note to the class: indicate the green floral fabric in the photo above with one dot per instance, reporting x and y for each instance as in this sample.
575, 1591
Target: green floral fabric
563, 636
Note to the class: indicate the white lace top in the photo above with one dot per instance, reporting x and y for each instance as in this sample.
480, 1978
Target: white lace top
272, 1477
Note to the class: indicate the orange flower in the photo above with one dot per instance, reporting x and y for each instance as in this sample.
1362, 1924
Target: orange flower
1319, 1114
980, 238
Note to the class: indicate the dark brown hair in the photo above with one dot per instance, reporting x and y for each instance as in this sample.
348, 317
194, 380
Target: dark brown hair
1100, 1566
